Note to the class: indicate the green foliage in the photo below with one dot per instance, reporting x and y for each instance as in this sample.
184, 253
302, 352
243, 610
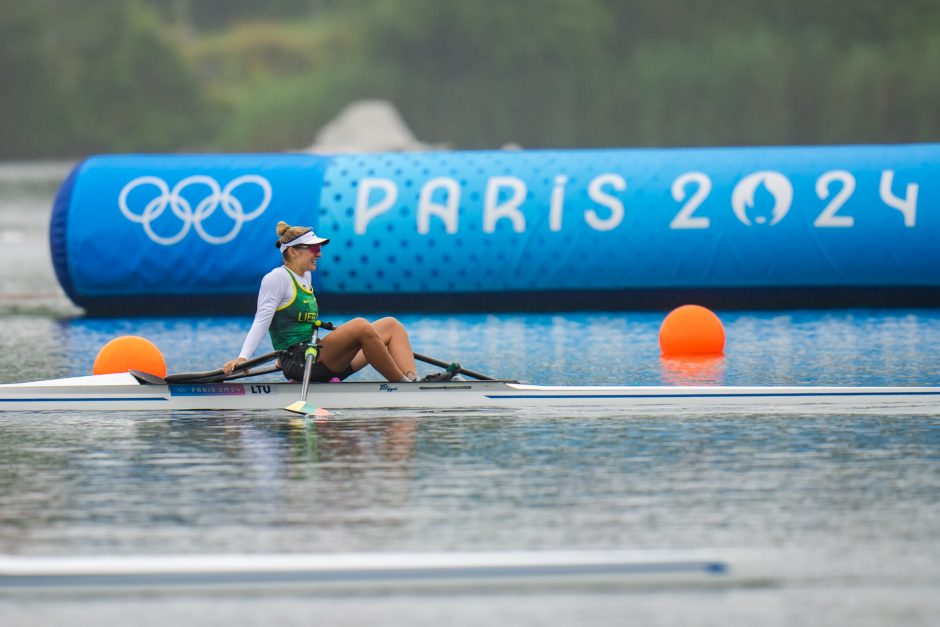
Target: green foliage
132, 84
30, 91
96, 76
519, 71
274, 85
553, 73
285, 113
221, 14
86, 75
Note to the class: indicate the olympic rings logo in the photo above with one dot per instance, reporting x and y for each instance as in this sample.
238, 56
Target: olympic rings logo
183, 210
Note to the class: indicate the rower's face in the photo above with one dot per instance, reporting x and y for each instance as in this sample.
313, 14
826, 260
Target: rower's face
307, 255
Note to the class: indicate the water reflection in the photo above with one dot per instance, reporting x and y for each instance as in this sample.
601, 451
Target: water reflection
693, 370
247, 459
260, 481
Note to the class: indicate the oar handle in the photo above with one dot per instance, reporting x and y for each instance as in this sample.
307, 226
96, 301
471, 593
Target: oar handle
256, 373
444, 364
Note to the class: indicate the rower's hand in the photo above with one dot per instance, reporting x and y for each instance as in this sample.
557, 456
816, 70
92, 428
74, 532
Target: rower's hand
229, 366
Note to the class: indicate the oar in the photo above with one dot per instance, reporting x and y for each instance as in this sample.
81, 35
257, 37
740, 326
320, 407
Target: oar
242, 375
302, 406
444, 364
192, 377
211, 376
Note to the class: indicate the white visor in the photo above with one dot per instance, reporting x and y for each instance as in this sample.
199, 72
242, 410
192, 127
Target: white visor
307, 238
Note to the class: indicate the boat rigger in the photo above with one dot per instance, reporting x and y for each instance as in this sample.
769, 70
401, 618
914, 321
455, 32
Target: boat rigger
126, 392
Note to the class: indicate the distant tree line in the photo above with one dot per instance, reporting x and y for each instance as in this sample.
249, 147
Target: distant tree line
89, 76
82, 76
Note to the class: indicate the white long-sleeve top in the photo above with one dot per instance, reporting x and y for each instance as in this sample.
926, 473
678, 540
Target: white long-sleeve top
276, 291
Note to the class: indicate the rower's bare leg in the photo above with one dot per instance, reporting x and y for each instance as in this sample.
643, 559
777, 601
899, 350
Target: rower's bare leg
340, 348
396, 339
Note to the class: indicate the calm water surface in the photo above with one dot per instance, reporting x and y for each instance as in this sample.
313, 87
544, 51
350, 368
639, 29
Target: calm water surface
859, 493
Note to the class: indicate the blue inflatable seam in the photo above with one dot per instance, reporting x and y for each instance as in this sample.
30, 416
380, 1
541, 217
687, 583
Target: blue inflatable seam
58, 234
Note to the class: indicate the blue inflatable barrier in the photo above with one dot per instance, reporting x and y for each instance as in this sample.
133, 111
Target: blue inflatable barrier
567, 229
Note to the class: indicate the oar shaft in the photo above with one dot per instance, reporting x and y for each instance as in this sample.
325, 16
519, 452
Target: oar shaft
302, 406
310, 355
308, 364
444, 364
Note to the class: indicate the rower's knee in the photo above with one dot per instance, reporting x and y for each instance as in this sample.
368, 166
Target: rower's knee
363, 329
358, 325
391, 324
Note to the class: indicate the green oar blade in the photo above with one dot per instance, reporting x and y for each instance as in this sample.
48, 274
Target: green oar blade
307, 409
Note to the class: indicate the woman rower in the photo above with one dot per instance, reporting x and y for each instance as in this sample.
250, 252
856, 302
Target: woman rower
287, 310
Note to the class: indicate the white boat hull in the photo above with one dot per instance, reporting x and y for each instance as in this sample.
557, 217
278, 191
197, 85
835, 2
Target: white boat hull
380, 571
123, 392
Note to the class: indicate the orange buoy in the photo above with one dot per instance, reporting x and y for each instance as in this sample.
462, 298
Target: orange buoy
130, 352
691, 330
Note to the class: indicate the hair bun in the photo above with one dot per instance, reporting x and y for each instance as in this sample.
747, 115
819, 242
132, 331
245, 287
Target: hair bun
287, 233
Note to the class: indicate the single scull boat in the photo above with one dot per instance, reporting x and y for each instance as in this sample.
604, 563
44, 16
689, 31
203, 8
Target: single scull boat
126, 391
